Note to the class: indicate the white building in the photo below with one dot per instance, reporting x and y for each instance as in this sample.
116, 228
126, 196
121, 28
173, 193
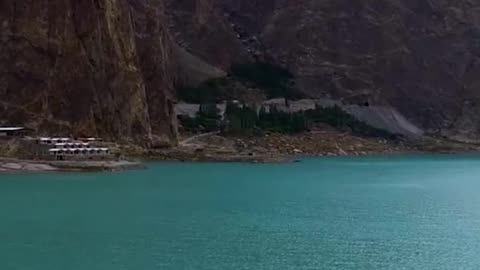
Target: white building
13, 131
68, 149
53, 141
79, 153
71, 145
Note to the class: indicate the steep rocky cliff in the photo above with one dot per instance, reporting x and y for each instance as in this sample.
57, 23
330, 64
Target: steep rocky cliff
90, 67
109, 67
200, 27
421, 57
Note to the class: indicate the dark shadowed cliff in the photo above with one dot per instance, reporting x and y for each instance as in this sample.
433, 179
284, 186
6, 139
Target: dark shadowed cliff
109, 67
421, 57
87, 68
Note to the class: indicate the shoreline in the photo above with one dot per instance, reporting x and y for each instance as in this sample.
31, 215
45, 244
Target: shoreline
271, 148
11, 165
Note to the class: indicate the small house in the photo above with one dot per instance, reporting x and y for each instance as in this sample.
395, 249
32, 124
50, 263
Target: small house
71, 145
79, 153
53, 141
11, 132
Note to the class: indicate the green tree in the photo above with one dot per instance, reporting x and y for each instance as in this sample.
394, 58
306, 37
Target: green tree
209, 110
299, 122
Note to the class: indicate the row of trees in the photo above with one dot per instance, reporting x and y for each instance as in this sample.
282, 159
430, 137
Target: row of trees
244, 119
207, 119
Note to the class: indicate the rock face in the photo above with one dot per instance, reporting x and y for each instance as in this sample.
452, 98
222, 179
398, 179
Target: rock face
418, 56
90, 67
421, 57
109, 67
201, 27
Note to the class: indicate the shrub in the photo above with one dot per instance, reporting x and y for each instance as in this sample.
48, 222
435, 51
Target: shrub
207, 119
243, 119
240, 118
282, 122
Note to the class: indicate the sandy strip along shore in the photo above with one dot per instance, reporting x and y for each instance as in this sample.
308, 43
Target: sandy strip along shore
15, 165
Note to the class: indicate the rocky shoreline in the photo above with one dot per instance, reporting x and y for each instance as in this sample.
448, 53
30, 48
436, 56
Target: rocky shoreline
275, 147
17, 165
271, 148
285, 148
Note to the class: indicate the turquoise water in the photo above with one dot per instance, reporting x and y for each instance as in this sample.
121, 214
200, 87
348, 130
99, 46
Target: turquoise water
403, 212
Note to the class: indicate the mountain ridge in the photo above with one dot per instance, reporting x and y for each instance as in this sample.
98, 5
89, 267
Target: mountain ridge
110, 67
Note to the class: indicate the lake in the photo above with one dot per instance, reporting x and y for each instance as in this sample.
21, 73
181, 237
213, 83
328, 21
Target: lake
385, 212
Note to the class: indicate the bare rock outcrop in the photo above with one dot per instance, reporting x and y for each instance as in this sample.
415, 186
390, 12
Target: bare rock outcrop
96, 68
201, 28
109, 67
420, 57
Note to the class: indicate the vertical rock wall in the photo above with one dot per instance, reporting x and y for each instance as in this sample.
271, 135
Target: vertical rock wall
80, 67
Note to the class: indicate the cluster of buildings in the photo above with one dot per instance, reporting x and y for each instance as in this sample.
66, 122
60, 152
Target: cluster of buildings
280, 104
59, 148
68, 149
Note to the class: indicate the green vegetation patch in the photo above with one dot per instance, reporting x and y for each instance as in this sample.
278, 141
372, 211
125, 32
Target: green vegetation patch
275, 80
243, 118
207, 119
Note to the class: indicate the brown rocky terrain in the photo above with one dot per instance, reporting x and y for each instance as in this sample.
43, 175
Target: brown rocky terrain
96, 68
109, 67
273, 147
421, 57
200, 27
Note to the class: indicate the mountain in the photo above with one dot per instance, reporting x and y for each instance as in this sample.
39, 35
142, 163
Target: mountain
420, 57
110, 67
88, 67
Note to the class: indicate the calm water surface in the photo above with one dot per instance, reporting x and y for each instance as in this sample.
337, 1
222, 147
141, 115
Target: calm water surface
403, 212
